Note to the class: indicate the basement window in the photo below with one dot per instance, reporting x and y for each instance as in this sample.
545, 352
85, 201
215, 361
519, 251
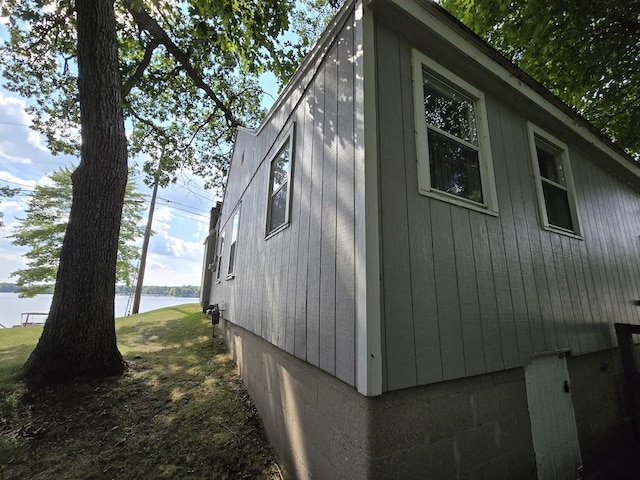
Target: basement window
452, 139
554, 182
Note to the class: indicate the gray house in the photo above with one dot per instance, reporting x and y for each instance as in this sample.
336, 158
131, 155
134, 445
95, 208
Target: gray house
420, 258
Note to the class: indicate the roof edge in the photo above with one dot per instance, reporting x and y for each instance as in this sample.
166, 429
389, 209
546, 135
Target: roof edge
425, 11
317, 51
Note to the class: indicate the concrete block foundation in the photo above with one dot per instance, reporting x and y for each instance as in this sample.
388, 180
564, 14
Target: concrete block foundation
471, 428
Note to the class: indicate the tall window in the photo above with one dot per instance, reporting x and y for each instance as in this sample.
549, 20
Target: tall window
220, 252
234, 241
280, 187
454, 155
554, 182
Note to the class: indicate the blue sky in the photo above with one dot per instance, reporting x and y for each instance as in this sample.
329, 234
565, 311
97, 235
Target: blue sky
181, 219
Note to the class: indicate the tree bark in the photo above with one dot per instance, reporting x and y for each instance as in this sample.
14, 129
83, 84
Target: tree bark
79, 338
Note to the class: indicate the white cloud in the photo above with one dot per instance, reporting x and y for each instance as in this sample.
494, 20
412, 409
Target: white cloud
167, 245
45, 181
175, 251
201, 232
15, 114
172, 271
187, 250
35, 139
9, 177
15, 107
156, 265
161, 216
14, 158
10, 207
10, 263
20, 147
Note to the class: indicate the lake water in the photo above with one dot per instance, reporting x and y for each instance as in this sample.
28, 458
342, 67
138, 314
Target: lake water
11, 306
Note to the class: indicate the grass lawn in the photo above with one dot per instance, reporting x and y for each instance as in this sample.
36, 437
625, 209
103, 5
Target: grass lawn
180, 412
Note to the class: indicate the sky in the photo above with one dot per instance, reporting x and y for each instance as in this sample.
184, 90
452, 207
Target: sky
180, 221
181, 217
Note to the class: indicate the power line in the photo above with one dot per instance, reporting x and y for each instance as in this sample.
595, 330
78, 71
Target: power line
182, 204
18, 183
187, 211
197, 212
191, 185
16, 124
192, 219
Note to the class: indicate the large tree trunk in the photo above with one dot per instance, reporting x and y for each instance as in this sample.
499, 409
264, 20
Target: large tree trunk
79, 338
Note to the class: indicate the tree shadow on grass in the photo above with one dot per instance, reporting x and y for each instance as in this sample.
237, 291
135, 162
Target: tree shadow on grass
12, 360
179, 412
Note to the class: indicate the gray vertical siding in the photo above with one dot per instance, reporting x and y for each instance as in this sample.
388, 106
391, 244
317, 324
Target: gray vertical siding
398, 312
465, 292
345, 329
296, 289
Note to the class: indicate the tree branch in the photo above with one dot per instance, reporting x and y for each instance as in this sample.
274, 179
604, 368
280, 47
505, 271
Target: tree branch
631, 105
142, 66
197, 131
149, 24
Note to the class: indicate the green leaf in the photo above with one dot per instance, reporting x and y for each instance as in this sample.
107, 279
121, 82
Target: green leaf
45, 224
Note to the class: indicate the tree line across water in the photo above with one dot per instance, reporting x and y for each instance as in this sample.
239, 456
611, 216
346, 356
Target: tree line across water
161, 291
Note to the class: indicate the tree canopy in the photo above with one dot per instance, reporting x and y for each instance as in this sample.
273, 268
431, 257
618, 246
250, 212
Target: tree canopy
585, 52
189, 71
44, 226
181, 76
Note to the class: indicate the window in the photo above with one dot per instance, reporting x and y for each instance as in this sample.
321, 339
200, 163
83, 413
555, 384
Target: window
219, 259
234, 241
280, 187
454, 154
554, 182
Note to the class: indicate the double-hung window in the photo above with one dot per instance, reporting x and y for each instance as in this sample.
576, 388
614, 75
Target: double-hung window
234, 241
280, 186
219, 259
452, 140
554, 182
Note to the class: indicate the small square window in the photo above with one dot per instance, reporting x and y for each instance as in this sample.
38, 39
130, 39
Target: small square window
454, 154
554, 182
280, 186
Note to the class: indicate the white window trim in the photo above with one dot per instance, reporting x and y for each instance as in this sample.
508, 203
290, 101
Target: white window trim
232, 273
536, 132
487, 177
219, 257
290, 138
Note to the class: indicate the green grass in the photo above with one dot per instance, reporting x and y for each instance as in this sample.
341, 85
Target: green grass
15, 346
180, 411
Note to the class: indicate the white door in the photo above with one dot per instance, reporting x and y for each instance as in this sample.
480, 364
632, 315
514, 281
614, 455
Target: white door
553, 424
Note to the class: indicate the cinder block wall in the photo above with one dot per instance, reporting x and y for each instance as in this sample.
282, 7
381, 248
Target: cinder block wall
472, 428
317, 424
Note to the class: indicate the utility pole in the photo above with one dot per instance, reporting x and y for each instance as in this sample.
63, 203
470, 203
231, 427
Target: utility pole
145, 247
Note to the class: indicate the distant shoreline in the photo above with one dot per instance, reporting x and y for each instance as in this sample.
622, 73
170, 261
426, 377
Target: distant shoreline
12, 306
184, 291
